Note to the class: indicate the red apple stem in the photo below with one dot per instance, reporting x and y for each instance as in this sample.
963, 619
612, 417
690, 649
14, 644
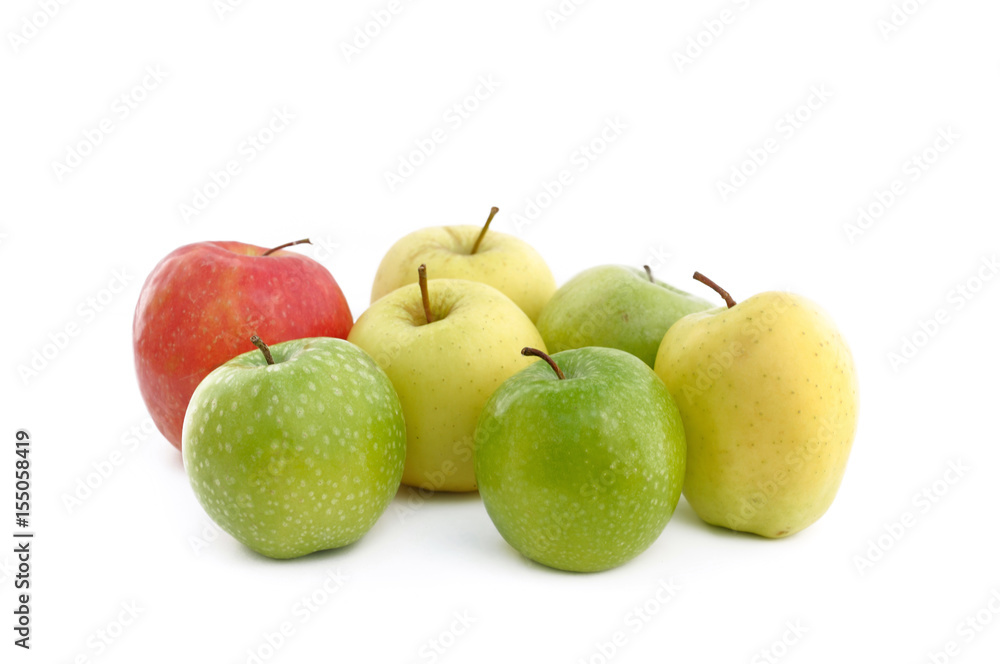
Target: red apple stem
259, 343
286, 245
482, 233
649, 273
730, 302
424, 295
527, 351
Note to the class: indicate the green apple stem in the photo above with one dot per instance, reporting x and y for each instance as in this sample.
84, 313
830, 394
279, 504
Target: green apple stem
259, 343
534, 352
730, 302
486, 227
286, 245
424, 295
649, 273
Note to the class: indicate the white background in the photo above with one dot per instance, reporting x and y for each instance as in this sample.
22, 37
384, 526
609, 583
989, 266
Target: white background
651, 197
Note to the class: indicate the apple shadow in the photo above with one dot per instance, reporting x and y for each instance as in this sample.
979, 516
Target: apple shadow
249, 555
406, 492
685, 514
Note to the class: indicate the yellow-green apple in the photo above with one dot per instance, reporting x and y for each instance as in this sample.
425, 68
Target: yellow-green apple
446, 345
580, 462
200, 304
769, 397
503, 261
616, 307
297, 447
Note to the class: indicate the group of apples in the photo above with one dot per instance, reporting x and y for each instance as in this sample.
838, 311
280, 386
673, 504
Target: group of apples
446, 383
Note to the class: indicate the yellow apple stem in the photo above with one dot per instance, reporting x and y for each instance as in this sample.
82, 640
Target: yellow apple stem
486, 227
286, 245
422, 278
649, 273
534, 352
730, 302
259, 343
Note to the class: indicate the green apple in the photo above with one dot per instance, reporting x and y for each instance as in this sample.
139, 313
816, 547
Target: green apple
769, 396
445, 345
295, 448
503, 261
580, 464
616, 307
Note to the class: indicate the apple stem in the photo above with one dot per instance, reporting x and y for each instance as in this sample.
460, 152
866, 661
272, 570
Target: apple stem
424, 295
286, 245
730, 302
486, 227
259, 343
534, 352
649, 273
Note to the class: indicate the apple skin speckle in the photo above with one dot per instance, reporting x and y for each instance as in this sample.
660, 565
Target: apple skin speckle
272, 482
581, 474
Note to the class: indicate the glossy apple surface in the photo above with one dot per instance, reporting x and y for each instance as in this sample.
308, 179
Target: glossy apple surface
298, 456
615, 306
503, 261
445, 370
769, 397
200, 305
581, 473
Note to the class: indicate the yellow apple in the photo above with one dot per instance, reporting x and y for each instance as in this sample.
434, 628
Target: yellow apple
445, 370
503, 261
769, 399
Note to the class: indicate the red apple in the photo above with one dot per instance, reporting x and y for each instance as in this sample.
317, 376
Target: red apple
202, 303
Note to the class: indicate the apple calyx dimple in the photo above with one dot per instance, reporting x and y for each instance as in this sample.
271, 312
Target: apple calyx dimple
730, 302
286, 245
486, 227
259, 343
424, 295
527, 351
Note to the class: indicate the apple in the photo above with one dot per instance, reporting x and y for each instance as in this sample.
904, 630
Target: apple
445, 345
580, 461
200, 304
503, 261
769, 397
297, 447
616, 307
